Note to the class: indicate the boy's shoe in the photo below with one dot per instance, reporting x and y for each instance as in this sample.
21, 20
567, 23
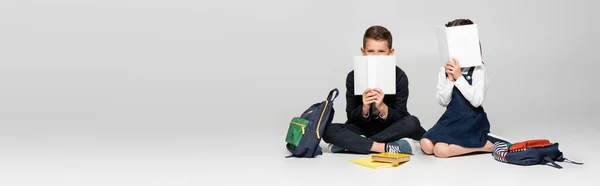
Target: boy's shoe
404, 145
335, 149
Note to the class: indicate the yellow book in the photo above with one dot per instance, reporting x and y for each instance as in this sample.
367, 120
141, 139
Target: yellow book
393, 158
368, 162
383, 160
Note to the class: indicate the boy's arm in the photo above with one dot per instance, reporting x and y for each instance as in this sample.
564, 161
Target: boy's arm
398, 110
353, 103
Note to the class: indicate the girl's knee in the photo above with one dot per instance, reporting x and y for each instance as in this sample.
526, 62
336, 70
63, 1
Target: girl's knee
426, 146
441, 151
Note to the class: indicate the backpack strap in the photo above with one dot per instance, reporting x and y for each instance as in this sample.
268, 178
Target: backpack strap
332, 97
573, 162
549, 160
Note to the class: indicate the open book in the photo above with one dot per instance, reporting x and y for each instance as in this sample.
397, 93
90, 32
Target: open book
375, 72
460, 42
368, 162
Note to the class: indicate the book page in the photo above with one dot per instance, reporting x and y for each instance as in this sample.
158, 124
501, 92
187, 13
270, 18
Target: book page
360, 75
386, 74
443, 44
375, 72
372, 72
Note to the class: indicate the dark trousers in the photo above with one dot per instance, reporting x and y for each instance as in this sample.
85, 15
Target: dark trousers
348, 136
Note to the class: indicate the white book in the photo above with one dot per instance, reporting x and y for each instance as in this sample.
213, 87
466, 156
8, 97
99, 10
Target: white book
375, 72
460, 42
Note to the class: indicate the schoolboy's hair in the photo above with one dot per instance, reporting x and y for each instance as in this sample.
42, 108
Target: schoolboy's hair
378, 33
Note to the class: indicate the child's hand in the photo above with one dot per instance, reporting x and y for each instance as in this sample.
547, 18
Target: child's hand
379, 99
448, 68
455, 69
368, 97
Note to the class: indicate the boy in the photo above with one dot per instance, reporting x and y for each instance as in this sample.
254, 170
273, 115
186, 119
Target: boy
376, 122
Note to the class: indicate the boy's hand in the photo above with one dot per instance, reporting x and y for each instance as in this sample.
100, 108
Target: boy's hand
381, 107
368, 97
455, 69
448, 67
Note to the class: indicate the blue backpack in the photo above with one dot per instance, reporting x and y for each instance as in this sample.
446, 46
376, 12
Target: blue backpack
305, 132
530, 152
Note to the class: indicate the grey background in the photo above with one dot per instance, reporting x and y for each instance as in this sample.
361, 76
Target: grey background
134, 92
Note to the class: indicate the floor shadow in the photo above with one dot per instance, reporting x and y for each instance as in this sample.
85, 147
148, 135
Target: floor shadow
474, 154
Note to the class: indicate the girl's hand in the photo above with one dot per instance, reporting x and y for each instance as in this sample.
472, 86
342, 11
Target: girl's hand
455, 69
448, 67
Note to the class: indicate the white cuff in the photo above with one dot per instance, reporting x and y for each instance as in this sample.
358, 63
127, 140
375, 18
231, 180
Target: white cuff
461, 81
384, 117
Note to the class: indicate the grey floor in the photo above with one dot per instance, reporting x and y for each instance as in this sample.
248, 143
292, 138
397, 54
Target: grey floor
334, 169
79, 153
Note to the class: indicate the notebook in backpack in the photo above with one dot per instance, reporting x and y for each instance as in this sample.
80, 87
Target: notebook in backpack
305, 132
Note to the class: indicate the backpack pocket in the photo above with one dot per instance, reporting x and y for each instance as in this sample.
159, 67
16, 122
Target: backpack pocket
296, 131
307, 143
530, 144
527, 156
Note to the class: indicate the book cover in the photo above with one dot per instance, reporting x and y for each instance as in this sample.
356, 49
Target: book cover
460, 42
368, 162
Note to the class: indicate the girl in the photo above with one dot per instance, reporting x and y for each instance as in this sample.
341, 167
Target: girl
464, 127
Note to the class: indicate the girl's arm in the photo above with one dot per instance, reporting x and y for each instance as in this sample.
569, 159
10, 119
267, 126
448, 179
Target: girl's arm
444, 88
474, 93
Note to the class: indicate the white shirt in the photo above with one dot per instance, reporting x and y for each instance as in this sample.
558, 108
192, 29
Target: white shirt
474, 93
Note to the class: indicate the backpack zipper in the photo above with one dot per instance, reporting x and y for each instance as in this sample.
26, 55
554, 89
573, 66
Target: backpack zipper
300, 126
319, 124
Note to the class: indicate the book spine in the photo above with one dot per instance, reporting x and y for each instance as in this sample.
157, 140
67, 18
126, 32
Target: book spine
372, 72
